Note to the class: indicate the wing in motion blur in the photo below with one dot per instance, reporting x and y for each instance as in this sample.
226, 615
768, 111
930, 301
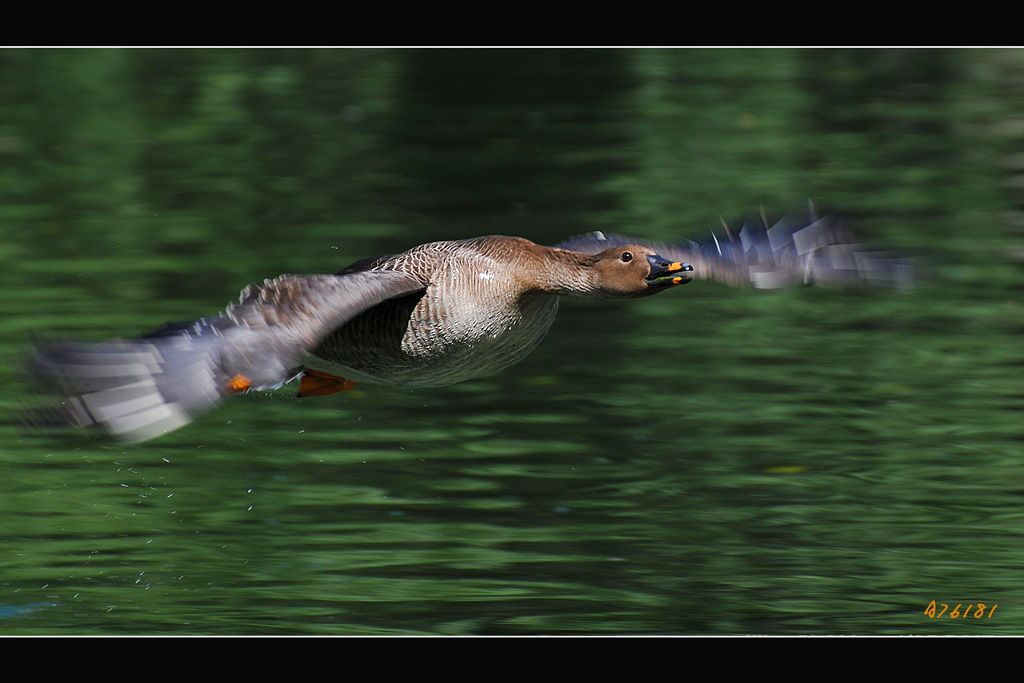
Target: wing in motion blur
796, 250
137, 389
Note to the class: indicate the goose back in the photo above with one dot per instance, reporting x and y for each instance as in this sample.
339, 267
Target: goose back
481, 312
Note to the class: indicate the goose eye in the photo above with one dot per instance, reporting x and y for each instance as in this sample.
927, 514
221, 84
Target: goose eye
626, 256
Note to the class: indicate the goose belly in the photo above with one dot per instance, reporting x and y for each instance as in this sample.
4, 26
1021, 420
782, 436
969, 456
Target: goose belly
426, 341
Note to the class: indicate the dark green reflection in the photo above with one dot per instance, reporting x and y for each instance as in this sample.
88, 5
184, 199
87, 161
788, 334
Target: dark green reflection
708, 461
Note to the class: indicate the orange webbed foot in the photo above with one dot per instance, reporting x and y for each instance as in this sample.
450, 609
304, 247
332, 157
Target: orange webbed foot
238, 384
315, 383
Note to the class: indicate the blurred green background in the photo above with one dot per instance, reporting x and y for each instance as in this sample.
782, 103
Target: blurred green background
709, 461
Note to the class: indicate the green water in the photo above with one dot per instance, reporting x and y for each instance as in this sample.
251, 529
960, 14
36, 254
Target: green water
708, 461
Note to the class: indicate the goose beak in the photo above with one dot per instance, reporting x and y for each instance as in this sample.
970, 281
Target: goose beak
665, 273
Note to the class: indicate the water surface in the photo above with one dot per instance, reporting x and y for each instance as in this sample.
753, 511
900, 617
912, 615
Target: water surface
708, 461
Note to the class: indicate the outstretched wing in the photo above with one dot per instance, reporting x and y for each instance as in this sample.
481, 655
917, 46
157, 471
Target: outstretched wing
796, 250
138, 389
